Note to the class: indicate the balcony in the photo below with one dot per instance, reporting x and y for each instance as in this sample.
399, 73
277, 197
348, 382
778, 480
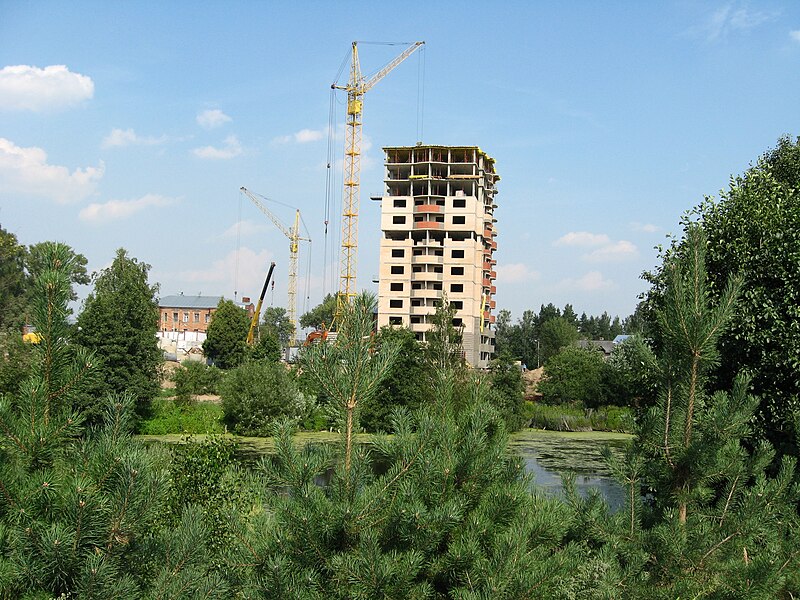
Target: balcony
428, 225
426, 276
494, 245
427, 259
428, 208
426, 293
487, 282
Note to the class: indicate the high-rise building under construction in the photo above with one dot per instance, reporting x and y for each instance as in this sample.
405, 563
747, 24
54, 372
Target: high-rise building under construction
438, 225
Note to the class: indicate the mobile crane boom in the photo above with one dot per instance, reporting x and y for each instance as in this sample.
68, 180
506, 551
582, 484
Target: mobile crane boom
356, 87
251, 339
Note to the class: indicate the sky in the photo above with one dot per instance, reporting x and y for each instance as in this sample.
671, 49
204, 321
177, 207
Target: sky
135, 124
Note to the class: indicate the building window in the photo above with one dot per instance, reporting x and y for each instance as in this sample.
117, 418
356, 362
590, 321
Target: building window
165, 317
208, 317
398, 253
395, 320
457, 254
457, 304
397, 270
395, 304
457, 287
416, 319
459, 203
457, 322
175, 317
396, 287
459, 220
398, 219
456, 270
196, 318
186, 317
399, 203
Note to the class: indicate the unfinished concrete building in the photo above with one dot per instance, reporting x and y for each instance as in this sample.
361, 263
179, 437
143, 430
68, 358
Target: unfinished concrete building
437, 219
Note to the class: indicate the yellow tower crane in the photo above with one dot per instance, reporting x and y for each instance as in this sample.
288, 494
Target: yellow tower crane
357, 86
293, 233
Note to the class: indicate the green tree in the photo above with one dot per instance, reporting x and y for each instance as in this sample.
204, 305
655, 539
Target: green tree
632, 374
321, 315
714, 524
507, 393
36, 259
556, 334
119, 323
257, 393
574, 375
275, 323
753, 229
350, 369
226, 338
78, 504
402, 385
13, 282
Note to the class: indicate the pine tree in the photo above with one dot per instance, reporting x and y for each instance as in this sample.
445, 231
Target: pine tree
78, 505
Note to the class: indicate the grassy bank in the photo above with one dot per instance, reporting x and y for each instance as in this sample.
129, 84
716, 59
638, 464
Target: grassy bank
576, 418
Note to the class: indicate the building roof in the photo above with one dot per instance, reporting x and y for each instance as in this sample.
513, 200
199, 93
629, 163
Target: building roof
181, 301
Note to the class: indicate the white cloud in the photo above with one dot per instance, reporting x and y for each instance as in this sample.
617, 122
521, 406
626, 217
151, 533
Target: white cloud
795, 35
231, 148
23, 87
615, 251
209, 119
516, 273
301, 137
121, 209
128, 137
593, 281
582, 238
26, 171
243, 228
730, 19
644, 227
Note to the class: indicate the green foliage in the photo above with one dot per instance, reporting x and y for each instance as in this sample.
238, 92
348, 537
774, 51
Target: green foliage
275, 323
350, 369
752, 229
119, 323
507, 393
576, 418
168, 416
632, 373
555, 335
266, 348
195, 378
257, 394
15, 361
36, 263
13, 282
575, 375
402, 385
77, 505
226, 338
321, 315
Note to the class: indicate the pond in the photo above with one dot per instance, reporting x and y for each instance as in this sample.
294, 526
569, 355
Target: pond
546, 455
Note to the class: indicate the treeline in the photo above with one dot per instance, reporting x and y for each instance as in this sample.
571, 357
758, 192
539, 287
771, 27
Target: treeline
536, 337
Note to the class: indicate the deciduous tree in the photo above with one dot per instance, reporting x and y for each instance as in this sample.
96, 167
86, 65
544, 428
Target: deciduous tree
119, 323
226, 338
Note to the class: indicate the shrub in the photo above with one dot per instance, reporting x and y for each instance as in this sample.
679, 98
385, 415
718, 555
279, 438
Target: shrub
574, 375
193, 378
258, 393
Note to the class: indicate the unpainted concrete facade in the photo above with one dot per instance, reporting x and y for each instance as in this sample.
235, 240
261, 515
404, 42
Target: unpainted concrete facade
438, 225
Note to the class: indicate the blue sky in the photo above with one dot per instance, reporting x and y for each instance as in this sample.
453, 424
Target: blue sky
134, 125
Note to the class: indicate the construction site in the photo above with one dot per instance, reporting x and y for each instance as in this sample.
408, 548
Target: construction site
437, 239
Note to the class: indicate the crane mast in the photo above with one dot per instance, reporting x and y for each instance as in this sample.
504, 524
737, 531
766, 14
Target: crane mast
357, 86
293, 233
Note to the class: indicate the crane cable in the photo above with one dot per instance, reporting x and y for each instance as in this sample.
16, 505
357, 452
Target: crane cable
420, 94
238, 249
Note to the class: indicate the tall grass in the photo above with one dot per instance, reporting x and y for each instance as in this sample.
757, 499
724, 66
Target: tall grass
167, 416
576, 418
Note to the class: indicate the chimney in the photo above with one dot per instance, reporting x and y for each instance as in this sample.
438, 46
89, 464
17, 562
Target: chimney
245, 299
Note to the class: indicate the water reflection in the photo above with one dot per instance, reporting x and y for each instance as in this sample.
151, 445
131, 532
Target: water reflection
548, 454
